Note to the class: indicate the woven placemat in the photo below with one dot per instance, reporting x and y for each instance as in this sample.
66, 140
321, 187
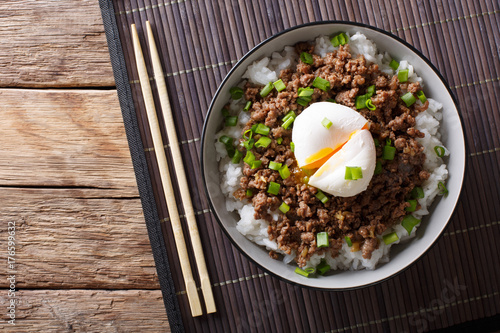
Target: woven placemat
457, 281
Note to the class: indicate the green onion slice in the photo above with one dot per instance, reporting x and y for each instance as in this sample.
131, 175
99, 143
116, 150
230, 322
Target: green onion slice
322, 268
353, 173
263, 142
236, 92
248, 144
306, 58
321, 197
302, 272
409, 99
262, 129
249, 158
370, 91
273, 188
284, 208
247, 135
388, 153
288, 122
326, 123
231, 121
247, 106
369, 105
305, 92
421, 96
417, 193
289, 115
340, 39
361, 102
390, 238
348, 241
378, 168
255, 164
376, 142
413, 205
236, 157
279, 141
249, 193
274, 165
266, 90
394, 64
403, 75
322, 239
440, 151
226, 140
321, 83
284, 172
442, 189
409, 222
292, 147
304, 101
279, 85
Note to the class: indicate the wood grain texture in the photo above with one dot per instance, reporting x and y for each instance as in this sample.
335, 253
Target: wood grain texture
64, 138
77, 238
51, 43
88, 311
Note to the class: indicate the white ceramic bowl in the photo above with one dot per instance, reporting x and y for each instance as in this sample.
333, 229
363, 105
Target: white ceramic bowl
402, 255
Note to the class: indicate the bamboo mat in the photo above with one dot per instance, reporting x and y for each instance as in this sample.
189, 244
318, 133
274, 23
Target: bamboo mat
199, 40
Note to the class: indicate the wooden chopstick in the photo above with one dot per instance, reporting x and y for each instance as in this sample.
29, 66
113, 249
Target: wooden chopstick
181, 174
192, 292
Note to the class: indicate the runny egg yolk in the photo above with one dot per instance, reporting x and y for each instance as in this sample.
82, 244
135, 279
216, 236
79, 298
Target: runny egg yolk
347, 142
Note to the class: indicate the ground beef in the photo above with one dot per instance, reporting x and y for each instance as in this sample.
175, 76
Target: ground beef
363, 216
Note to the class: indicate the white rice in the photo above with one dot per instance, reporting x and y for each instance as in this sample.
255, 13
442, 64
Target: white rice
428, 122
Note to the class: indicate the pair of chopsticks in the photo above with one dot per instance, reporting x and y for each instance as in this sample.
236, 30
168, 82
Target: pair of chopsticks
191, 290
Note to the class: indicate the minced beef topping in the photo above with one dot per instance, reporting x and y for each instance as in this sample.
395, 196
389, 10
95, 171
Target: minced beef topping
361, 217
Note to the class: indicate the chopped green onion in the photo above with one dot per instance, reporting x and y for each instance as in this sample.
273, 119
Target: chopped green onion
248, 144
331, 100
361, 102
255, 164
353, 173
225, 113
305, 92
273, 188
226, 140
409, 222
284, 172
390, 238
403, 75
292, 147
322, 239
322, 268
306, 58
289, 115
370, 91
417, 193
388, 153
302, 272
254, 127
279, 85
421, 96
304, 101
263, 142
262, 129
394, 64
440, 151
307, 171
326, 123
267, 89
247, 106
279, 141
249, 193
284, 208
274, 165
348, 241
378, 168
409, 99
369, 105
247, 135
442, 189
412, 207
236, 157
321, 83
236, 92
388, 142
321, 197
249, 158
231, 121
376, 142
288, 122
340, 39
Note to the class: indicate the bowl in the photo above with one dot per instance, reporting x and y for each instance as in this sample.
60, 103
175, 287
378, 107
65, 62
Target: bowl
401, 255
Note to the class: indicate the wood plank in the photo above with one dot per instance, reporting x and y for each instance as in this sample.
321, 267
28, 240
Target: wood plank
87, 311
64, 138
77, 238
51, 43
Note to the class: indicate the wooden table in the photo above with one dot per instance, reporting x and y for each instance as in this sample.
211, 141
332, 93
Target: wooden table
82, 256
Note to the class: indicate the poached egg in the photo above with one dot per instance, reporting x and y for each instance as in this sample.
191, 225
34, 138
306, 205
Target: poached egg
346, 142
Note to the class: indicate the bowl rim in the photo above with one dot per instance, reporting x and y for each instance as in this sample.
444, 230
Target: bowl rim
235, 67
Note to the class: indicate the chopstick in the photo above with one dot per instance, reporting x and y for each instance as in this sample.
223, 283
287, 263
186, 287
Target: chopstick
192, 292
181, 174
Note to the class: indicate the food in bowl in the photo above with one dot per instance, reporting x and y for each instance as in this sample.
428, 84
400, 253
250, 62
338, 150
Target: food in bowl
330, 153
